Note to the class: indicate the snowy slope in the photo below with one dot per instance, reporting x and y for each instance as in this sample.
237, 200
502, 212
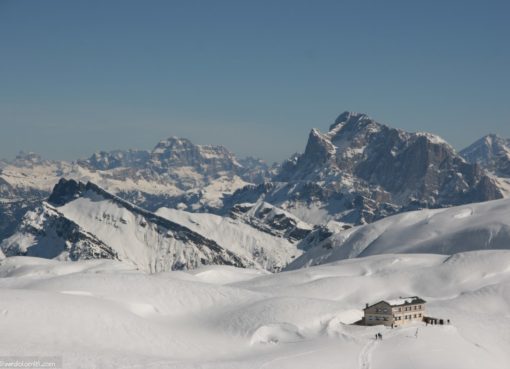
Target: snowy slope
270, 252
443, 231
105, 314
85, 222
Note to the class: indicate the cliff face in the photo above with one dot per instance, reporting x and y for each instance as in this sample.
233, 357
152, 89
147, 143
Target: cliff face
361, 170
492, 153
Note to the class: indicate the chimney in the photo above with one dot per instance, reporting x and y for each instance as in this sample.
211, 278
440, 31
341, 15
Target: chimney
366, 305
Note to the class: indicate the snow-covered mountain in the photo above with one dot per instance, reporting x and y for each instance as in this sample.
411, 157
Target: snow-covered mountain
267, 249
104, 160
361, 171
176, 173
203, 162
85, 222
492, 153
448, 231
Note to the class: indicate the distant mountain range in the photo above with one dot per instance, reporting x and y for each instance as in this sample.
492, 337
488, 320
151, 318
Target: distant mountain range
176, 173
192, 205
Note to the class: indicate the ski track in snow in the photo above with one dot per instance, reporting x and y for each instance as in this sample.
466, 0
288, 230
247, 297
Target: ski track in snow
365, 355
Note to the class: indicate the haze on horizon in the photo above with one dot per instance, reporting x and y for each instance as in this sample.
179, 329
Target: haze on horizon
82, 76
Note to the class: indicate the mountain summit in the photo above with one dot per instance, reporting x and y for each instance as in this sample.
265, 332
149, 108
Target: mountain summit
362, 170
492, 152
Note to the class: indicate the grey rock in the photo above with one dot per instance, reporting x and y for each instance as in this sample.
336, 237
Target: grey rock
492, 153
361, 171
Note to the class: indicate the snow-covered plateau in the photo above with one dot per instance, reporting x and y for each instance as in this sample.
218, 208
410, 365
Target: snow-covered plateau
105, 314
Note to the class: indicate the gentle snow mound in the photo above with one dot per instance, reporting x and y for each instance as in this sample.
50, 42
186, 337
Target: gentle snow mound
100, 314
448, 231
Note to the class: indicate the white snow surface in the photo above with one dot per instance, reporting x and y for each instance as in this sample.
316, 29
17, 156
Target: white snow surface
104, 314
442, 231
269, 252
399, 301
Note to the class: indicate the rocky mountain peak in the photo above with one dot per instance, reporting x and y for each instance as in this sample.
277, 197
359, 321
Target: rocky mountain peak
66, 190
491, 152
354, 130
106, 160
362, 170
208, 159
28, 159
492, 137
348, 117
172, 143
319, 145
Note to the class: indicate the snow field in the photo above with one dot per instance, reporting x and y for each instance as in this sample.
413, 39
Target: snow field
107, 314
443, 231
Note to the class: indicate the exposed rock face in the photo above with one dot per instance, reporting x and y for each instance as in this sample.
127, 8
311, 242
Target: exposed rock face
54, 236
104, 160
256, 170
362, 170
492, 153
15, 201
175, 152
272, 220
206, 159
83, 221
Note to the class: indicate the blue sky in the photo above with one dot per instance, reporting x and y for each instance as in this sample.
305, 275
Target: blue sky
256, 76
